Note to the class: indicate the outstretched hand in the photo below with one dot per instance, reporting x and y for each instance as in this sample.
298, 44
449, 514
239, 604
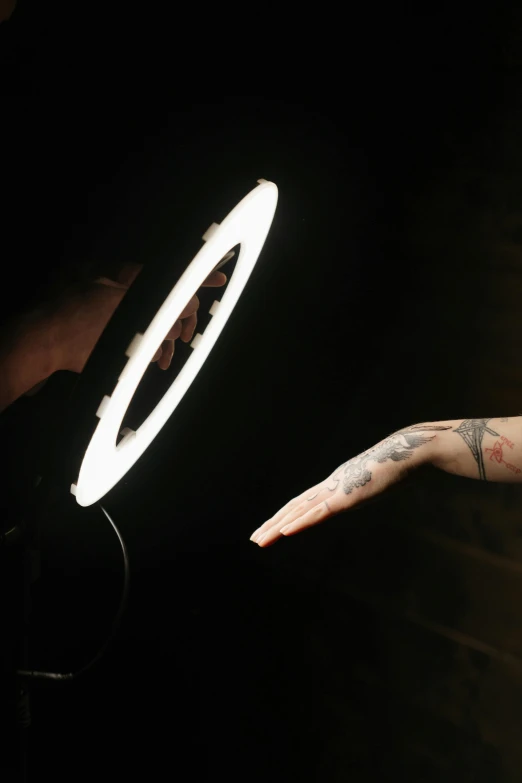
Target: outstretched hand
352, 483
82, 318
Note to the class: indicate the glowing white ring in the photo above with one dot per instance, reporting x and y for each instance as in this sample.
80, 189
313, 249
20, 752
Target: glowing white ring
105, 463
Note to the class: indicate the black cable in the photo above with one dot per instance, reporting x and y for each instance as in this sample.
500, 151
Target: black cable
34, 675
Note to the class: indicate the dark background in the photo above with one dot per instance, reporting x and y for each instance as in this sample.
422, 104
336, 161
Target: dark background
385, 645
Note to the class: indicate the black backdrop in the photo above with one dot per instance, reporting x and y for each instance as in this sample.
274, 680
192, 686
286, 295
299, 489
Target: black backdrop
225, 661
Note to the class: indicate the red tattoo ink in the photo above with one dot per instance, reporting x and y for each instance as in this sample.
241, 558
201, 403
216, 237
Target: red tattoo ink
498, 456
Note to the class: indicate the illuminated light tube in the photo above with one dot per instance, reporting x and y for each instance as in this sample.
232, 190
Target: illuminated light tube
104, 462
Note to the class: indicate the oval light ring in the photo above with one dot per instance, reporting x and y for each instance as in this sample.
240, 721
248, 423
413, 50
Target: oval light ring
104, 462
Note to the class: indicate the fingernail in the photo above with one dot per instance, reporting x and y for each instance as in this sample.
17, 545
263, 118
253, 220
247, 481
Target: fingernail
258, 540
254, 534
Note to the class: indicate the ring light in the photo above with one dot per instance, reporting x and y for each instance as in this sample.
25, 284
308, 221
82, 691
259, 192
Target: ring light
105, 462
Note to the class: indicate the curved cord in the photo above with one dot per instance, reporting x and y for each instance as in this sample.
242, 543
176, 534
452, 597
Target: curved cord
115, 625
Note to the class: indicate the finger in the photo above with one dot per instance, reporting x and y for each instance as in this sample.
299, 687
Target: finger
303, 503
280, 518
190, 308
225, 259
274, 521
167, 352
314, 516
188, 327
319, 513
175, 332
156, 355
215, 279
272, 531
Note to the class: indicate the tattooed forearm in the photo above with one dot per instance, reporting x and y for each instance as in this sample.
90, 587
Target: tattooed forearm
463, 456
485, 449
472, 431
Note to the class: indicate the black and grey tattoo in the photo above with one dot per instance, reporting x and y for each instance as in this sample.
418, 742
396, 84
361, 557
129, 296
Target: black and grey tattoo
472, 431
396, 447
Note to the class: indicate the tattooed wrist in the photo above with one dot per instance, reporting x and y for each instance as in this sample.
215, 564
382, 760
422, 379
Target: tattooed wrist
472, 431
492, 456
400, 446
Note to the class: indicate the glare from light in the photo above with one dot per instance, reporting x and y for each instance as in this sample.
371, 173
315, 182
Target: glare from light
104, 462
